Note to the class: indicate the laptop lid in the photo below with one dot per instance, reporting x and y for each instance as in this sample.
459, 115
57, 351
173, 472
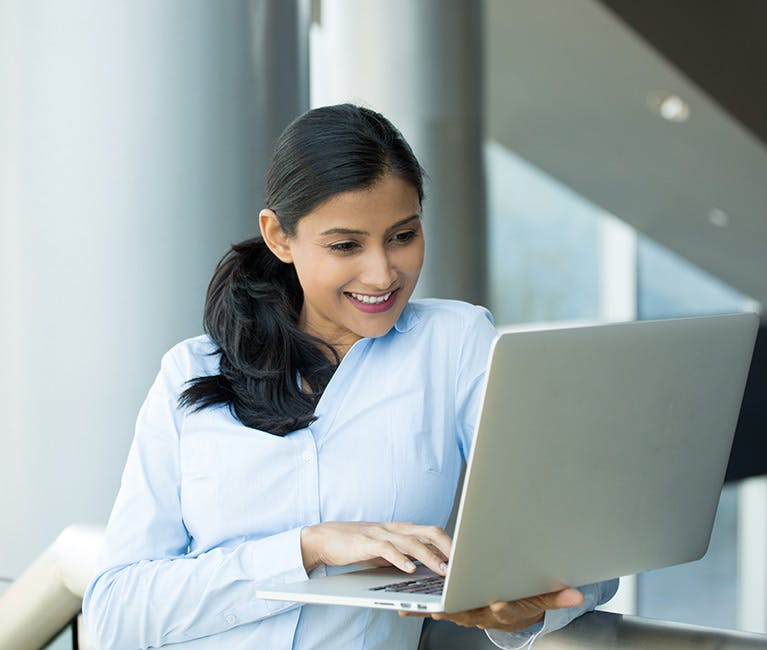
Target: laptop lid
600, 452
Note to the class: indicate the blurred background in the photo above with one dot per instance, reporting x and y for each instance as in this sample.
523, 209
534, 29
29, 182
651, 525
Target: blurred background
589, 160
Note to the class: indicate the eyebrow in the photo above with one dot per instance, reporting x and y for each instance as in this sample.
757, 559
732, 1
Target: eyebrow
350, 231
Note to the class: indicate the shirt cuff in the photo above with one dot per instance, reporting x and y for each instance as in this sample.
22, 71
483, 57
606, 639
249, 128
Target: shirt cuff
275, 560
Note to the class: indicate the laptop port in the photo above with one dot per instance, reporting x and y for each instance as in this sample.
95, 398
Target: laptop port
421, 606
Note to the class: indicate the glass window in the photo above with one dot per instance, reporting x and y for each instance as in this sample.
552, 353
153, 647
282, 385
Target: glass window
543, 244
669, 286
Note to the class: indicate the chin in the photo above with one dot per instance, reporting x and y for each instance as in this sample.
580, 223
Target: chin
381, 328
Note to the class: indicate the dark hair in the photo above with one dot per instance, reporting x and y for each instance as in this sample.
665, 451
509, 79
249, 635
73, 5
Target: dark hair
254, 299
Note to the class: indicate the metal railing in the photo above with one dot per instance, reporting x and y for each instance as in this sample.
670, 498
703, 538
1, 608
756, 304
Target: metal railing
47, 597
603, 631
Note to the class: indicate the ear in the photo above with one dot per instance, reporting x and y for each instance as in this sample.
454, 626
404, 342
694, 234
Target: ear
274, 236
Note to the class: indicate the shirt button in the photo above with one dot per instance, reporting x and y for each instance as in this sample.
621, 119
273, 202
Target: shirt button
307, 455
231, 619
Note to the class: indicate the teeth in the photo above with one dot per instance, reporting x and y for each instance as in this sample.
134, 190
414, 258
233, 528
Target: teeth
371, 300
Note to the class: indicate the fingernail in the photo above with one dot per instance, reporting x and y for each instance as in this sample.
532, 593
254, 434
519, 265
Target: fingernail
443, 567
409, 566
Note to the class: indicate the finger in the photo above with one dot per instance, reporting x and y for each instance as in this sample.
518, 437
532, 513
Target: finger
392, 554
416, 549
412, 546
467, 613
434, 549
559, 599
514, 614
569, 598
554, 600
510, 612
501, 609
481, 618
432, 534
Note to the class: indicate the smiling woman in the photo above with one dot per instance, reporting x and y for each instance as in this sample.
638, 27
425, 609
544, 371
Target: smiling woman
343, 196
320, 422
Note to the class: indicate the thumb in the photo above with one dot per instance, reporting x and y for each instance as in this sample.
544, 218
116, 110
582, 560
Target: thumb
569, 598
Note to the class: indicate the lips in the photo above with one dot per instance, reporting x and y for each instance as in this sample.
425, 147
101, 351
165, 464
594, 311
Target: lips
372, 304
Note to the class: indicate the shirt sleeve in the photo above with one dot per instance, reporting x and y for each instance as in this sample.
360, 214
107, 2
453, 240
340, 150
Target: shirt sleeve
594, 595
470, 375
150, 590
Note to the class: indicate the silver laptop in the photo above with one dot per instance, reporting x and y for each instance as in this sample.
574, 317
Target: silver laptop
600, 451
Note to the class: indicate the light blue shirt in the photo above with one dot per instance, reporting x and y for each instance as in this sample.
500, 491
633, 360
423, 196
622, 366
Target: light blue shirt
209, 509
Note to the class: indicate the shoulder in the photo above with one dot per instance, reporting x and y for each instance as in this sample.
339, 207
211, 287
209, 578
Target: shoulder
428, 313
193, 357
449, 338
439, 324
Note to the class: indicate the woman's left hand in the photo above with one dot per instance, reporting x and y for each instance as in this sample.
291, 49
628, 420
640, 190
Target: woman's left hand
510, 616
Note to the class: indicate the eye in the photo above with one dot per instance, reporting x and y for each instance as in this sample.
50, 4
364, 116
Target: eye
343, 246
404, 237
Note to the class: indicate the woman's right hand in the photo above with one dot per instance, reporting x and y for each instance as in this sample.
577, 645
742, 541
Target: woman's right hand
338, 543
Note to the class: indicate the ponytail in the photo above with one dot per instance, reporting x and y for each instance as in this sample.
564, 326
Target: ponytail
251, 314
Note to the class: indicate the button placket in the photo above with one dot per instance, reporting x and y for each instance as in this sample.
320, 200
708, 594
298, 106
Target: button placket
309, 472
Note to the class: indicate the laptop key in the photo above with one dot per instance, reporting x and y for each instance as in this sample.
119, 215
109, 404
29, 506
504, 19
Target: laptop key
433, 585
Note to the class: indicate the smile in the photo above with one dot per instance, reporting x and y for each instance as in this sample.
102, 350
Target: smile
371, 300
372, 304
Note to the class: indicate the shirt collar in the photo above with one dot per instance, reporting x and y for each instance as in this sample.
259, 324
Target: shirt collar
407, 320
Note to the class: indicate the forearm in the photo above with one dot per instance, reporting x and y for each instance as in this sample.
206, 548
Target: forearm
154, 602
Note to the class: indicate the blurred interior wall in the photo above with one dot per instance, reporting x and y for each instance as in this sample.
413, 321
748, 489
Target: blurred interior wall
135, 136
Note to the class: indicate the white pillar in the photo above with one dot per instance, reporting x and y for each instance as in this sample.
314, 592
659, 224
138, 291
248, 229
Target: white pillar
618, 302
420, 64
752, 555
130, 135
617, 270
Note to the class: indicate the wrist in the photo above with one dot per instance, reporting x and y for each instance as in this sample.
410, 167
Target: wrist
309, 547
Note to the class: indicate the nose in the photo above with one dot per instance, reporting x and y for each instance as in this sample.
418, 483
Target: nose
377, 271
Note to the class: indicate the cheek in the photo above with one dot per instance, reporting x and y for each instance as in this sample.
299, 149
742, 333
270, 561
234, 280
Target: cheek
320, 277
317, 288
411, 260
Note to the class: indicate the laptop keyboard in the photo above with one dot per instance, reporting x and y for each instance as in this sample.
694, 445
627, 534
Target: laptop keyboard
430, 585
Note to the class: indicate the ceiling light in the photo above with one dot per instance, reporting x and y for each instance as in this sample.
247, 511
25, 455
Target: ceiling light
670, 107
718, 217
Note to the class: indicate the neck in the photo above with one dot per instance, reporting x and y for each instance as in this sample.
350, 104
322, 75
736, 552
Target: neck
340, 342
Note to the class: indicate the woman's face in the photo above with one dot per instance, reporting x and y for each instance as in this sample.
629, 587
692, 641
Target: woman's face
358, 257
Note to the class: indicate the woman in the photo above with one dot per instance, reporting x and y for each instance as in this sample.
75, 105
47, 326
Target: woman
320, 407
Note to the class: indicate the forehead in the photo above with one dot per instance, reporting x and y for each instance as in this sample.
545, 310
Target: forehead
375, 208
